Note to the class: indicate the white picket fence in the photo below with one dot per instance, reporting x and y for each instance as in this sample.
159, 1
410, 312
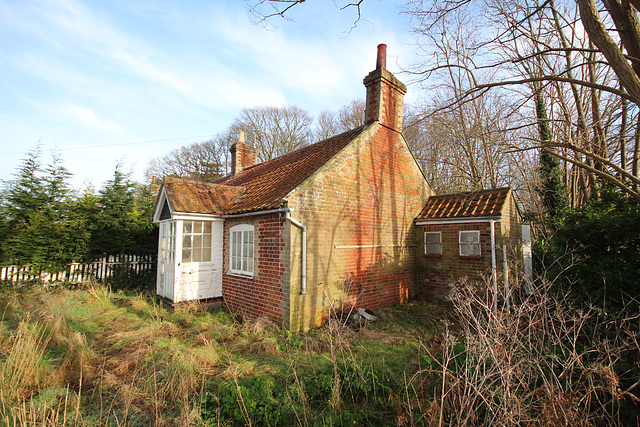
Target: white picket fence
80, 272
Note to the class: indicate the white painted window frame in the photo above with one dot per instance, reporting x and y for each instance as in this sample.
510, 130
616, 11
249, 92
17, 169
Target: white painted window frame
242, 253
473, 244
438, 243
198, 241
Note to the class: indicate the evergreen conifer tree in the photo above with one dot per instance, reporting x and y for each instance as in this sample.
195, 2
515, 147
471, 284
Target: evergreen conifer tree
40, 228
121, 222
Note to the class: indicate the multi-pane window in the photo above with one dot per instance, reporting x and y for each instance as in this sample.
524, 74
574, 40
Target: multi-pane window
241, 241
469, 243
433, 243
168, 246
196, 241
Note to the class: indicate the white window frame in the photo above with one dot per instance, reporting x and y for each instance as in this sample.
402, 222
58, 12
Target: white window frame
242, 253
196, 241
431, 245
469, 247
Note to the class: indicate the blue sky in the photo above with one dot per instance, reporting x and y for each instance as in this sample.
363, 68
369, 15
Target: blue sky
97, 79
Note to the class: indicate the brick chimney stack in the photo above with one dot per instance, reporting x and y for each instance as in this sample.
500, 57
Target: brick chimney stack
385, 94
243, 155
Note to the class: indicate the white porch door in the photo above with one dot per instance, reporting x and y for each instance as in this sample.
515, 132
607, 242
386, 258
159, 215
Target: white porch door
167, 258
198, 275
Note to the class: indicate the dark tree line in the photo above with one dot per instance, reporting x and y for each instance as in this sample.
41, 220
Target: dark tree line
45, 224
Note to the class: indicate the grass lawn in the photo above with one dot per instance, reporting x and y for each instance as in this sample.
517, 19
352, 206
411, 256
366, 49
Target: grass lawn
89, 356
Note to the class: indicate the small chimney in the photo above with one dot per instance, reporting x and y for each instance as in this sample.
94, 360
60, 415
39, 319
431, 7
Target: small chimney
381, 60
243, 156
385, 94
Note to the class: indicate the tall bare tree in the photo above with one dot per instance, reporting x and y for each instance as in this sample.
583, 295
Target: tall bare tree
468, 145
203, 161
529, 47
274, 131
330, 123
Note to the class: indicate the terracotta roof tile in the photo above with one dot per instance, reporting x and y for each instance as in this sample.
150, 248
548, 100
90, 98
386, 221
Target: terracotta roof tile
268, 183
200, 197
464, 205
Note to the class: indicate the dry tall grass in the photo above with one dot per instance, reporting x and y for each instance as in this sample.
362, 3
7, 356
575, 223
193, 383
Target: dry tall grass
545, 362
134, 367
24, 369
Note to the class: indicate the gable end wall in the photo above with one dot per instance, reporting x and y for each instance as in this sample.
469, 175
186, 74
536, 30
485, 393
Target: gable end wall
359, 212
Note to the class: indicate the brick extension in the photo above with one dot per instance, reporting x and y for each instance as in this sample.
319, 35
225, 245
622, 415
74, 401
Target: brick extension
452, 213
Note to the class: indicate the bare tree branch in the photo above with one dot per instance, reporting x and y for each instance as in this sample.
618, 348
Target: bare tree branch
608, 177
609, 48
265, 10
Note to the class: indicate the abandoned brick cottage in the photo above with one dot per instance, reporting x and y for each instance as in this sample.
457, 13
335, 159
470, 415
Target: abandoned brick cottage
339, 222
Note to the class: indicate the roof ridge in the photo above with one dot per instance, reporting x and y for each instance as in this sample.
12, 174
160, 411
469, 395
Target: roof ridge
306, 147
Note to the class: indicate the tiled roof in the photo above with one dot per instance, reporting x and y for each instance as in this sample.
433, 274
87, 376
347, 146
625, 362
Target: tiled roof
260, 187
268, 183
200, 197
482, 203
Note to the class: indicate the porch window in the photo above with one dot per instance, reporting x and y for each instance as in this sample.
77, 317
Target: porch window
433, 243
196, 241
469, 243
241, 243
167, 242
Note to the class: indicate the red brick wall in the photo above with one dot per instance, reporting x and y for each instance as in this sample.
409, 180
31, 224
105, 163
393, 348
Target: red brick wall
359, 213
266, 293
436, 272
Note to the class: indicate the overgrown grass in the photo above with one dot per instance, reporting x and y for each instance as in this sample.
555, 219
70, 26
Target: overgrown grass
93, 356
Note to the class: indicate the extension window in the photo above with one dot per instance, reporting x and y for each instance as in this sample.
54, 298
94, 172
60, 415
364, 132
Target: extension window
469, 242
433, 243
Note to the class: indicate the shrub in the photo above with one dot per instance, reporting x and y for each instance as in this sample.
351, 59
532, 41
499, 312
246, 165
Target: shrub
547, 362
124, 277
595, 250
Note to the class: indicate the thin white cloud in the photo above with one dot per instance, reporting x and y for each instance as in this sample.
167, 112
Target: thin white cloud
279, 63
85, 72
87, 117
309, 67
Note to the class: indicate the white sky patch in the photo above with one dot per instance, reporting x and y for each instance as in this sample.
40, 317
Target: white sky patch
88, 117
86, 73
144, 68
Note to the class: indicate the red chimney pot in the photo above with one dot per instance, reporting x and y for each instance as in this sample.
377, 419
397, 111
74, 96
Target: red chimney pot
381, 61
